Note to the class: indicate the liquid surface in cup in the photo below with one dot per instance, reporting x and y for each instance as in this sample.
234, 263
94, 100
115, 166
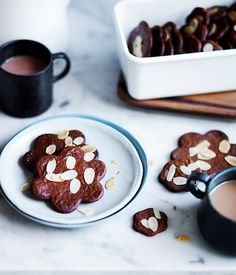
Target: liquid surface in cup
23, 65
223, 199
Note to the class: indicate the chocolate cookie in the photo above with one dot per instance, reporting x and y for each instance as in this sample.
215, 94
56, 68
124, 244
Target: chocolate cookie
140, 40
51, 144
201, 14
68, 179
210, 46
158, 47
176, 37
150, 222
210, 153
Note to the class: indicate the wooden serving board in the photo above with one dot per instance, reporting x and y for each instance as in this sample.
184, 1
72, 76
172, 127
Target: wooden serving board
222, 104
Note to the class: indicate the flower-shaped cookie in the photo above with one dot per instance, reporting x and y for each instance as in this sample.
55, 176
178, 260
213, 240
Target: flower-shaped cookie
68, 179
51, 144
210, 153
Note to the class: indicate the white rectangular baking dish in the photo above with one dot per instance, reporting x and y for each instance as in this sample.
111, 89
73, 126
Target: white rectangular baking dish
165, 76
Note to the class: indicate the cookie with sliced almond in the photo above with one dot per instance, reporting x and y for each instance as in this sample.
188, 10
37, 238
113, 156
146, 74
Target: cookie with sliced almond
68, 179
210, 153
150, 222
53, 144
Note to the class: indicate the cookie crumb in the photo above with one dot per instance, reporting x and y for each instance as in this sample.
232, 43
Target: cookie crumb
110, 183
25, 187
114, 162
151, 162
174, 207
184, 238
85, 211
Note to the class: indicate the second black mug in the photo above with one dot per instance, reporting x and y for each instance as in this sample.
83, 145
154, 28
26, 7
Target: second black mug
28, 95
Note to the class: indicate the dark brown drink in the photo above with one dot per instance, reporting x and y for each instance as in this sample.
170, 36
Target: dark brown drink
223, 199
23, 65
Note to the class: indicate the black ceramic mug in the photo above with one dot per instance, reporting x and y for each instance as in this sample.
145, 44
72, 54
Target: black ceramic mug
218, 230
28, 95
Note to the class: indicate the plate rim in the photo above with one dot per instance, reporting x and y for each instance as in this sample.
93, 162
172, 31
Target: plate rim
136, 144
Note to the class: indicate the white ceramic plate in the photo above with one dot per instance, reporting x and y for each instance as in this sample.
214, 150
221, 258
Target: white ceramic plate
113, 143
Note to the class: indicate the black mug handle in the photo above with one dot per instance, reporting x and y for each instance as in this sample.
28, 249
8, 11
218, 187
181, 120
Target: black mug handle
193, 185
67, 66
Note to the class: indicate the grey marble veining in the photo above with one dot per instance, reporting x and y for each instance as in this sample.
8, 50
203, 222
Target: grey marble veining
111, 247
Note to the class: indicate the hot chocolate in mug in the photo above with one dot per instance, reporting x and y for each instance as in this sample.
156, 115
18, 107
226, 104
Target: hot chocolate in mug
216, 215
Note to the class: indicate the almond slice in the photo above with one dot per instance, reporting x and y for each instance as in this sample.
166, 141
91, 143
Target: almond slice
185, 170
78, 140
110, 183
193, 166
144, 222
153, 224
89, 156
85, 211
63, 134
69, 175
231, 160
180, 181
193, 151
203, 165
25, 187
51, 166
51, 149
224, 146
68, 141
89, 175
157, 213
206, 154
203, 144
54, 177
88, 149
75, 186
70, 162
171, 172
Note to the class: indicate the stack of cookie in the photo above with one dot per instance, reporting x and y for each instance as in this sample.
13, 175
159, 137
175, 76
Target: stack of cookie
67, 171
204, 30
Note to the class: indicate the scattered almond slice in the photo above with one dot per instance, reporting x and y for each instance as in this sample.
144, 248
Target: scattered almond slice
88, 149
110, 183
51, 149
54, 177
153, 224
144, 222
157, 213
85, 211
206, 154
114, 162
224, 146
171, 172
25, 187
203, 165
75, 186
78, 140
69, 175
89, 156
68, 141
70, 162
193, 151
89, 175
184, 238
51, 166
185, 170
63, 134
180, 181
231, 160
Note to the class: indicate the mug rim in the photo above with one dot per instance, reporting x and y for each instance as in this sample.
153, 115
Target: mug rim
12, 42
212, 180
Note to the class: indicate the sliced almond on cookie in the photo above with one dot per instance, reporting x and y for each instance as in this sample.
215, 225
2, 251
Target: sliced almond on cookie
171, 172
75, 186
88, 149
89, 175
63, 134
51, 166
78, 140
51, 149
180, 181
206, 154
193, 151
68, 141
203, 165
185, 170
153, 224
89, 156
144, 222
70, 162
54, 177
69, 175
224, 146
231, 160
157, 213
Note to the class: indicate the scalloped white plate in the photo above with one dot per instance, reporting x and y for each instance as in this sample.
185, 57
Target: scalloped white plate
113, 143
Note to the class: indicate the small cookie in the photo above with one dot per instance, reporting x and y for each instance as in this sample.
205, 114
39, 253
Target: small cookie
140, 40
196, 28
51, 144
200, 14
210, 46
169, 48
210, 153
68, 179
150, 222
176, 37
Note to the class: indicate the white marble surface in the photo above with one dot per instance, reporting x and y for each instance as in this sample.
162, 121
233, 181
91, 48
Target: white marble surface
111, 247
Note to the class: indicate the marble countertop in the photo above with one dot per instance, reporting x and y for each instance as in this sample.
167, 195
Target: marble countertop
111, 247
